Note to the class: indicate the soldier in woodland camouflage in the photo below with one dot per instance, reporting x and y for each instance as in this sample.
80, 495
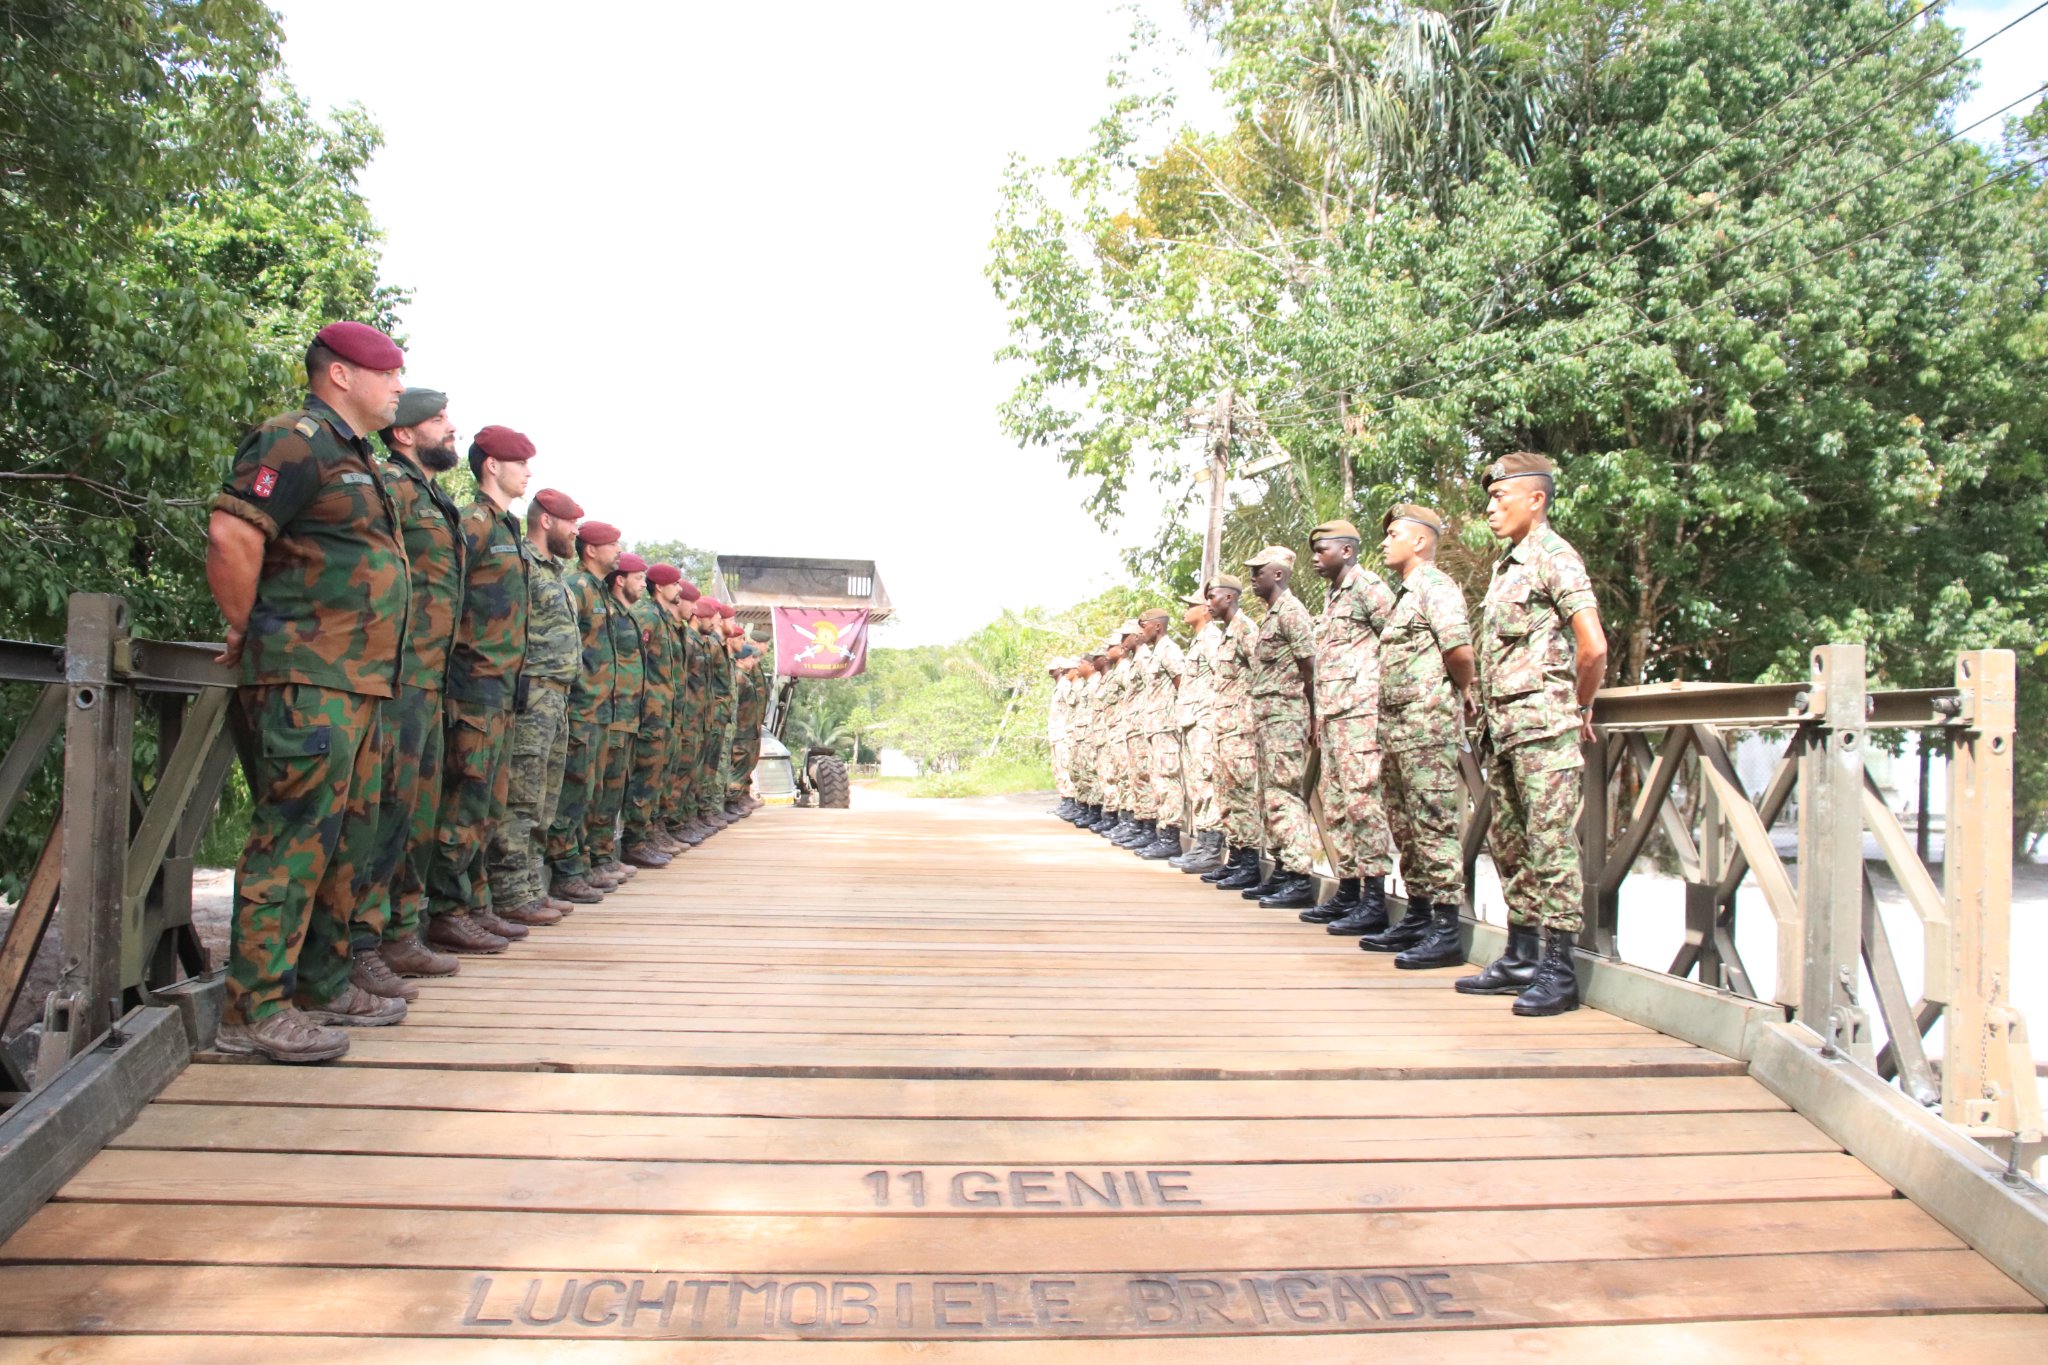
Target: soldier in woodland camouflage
624, 586
1160, 725
1347, 682
1427, 674
306, 560
588, 716
746, 744
692, 717
646, 843
1283, 706
485, 689
1236, 730
1542, 655
719, 695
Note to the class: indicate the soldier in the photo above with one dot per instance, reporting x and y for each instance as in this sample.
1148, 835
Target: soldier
1237, 753
746, 744
1080, 725
689, 723
1283, 707
484, 691
1137, 706
587, 718
305, 559
1347, 673
1542, 655
1059, 720
1113, 758
1194, 719
1426, 667
540, 733
648, 843
420, 445
718, 710
1159, 716
625, 585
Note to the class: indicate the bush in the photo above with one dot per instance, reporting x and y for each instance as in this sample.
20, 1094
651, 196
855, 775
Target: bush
987, 777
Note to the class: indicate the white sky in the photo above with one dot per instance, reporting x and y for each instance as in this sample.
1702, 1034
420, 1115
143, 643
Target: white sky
724, 263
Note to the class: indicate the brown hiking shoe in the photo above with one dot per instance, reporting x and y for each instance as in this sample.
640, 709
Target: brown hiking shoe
461, 934
642, 855
613, 867
577, 890
356, 1008
558, 905
660, 841
409, 957
694, 833
533, 913
491, 922
371, 973
286, 1036
603, 880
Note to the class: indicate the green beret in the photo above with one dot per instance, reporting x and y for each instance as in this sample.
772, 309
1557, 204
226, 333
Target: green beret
1335, 530
418, 405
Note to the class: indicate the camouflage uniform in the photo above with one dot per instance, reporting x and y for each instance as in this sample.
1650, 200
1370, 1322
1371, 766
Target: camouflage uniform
718, 707
588, 717
691, 709
1237, 735
320, 655
393, 903
1348, 717
1280, 707
1059, 721
1116, 755
1195, 719
1138, 732
540, 736
483, 691
629, 672
1420, 727
748, 713
1164, 666
1529, 686
1081, 742
653, 740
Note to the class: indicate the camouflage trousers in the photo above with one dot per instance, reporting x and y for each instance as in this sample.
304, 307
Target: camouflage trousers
711, 758
1168, 801
1353, 816
686, 737
517, 861
608, 798
1424, 802
1087, 789
1063, 768
317, 778
1115, 769
746, 752
1198, 743
582, 769
652, 746
1237, 785
475, 779
1144, 801
1538, 788
390, 906
1283, 772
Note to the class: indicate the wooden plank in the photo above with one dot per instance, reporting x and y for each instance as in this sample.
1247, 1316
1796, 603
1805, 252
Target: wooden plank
909, 1142
1358, 1298
1982, 1339
838, 1097
117, 1175
1513, 1034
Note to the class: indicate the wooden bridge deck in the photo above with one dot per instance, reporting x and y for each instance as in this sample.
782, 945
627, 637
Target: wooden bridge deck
950, 1083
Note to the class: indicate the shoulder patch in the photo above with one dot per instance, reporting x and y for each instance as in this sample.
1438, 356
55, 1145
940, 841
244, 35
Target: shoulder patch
306, 427
266, 482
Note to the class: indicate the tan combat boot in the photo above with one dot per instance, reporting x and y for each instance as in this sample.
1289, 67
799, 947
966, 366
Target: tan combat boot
493, 923
286, 1036
370, 972
576, 890
461, 934
614, 868
355, 1008
409, 957
533, 913
558, 905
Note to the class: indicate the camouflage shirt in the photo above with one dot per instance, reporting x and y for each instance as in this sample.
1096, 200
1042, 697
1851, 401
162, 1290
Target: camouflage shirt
334, 596
1198, 681
660, 655
1286, 638
554, 636
1119, 693
1528, 675
1348, 647
490, 634
691, 673
629, 670
1161, 671
1418, 704
753, 705
590, 695
1081, 709
432, 530
1057, 714
1236, 651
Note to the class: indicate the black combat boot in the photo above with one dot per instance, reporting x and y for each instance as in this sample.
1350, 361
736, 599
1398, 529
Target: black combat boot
1337, 907
1206, 856
1555, 989
1233, 863
1512, 971
1404, 935
1104, 821
1167, 845
1266, 886
1119, 827
1245, 876
1439, 947
1065, 809
1370, 914
1137, 836
1296, 891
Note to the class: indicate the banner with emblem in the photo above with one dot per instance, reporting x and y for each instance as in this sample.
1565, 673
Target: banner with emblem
820, 642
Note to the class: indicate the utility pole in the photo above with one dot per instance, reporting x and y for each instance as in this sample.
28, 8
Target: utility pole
1344, 446
1219, 475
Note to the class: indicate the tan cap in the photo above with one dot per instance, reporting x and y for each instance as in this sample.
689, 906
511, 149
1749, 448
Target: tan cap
1127, 628
1272, 554
1408, 511
1227, 580
1058, 665
1155, 614
1334, 530
1523, 464
1194, 599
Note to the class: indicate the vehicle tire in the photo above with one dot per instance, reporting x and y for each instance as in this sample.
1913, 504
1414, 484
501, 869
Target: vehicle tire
828, 775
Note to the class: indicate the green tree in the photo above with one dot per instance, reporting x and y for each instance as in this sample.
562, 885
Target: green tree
696, 564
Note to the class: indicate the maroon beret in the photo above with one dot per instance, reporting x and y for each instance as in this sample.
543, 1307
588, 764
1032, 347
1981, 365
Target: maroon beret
503, 443
361, 344
706, 609
596, 533
659, 574
727, 610
691, 592
630, 563
556, 503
